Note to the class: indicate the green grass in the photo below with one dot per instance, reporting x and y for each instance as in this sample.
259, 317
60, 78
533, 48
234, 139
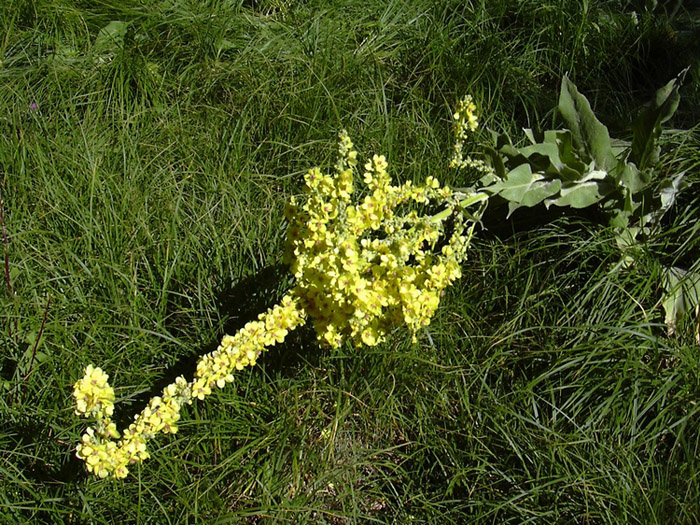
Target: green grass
143, 202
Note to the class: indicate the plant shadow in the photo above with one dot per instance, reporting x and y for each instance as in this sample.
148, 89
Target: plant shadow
242, 302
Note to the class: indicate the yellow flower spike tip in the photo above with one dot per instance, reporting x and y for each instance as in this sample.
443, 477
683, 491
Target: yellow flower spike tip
466, 122
361, 268
93, 395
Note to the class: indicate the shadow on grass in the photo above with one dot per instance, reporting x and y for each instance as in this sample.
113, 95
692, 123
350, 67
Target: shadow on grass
25, 433
241, 303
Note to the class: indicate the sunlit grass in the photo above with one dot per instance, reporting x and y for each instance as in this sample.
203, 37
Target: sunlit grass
143, 183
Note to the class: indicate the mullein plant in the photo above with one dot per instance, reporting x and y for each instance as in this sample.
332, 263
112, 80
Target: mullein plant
361, 268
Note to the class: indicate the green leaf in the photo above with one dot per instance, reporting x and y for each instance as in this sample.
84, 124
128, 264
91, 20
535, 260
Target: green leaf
30, 338
535, 137
539, 191
633, 179
535, 194
110, 38
494, 159
565, 142
580, 194
668, 190
543, 157
621, 215
647, 126
488, 179
555, 136
620, 220
577, 196
590, 136
40, 357
530, 136
682, 294
515, 183
513, 154
619, 148
574, 166
521, 187
593, 175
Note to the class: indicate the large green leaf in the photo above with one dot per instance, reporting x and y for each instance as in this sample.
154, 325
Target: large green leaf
522, 187
536, 193
647, 126
577, 196
581, 194
665, 197
633, 179
590, 136
555, 156
514, 185
621, 211
543, 157
575, 167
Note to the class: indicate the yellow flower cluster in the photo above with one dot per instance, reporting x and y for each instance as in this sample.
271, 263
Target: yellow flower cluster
103, 455
465, 122
93, 395
465, 117
361, 268
242, 349
99, 448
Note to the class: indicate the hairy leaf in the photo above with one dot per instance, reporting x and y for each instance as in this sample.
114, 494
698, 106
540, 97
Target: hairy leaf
633, 179
668, 190
522, 187
536, 193
590, 136
580, 194
647, 126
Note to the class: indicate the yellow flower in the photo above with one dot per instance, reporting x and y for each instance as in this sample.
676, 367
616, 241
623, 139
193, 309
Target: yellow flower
360, 268
93, 395
355, 283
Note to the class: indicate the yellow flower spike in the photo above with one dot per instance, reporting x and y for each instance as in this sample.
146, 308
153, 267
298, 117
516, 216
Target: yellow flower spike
466, 122
361, 268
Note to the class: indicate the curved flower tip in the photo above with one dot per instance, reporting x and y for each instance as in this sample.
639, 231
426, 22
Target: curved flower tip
92, 393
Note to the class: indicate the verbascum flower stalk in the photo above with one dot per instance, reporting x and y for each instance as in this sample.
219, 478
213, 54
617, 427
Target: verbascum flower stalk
106, 452
361, 268
466, 122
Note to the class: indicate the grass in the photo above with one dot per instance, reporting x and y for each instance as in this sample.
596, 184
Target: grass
143, 198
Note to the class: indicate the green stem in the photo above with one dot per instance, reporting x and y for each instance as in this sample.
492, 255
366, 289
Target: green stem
468, 201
